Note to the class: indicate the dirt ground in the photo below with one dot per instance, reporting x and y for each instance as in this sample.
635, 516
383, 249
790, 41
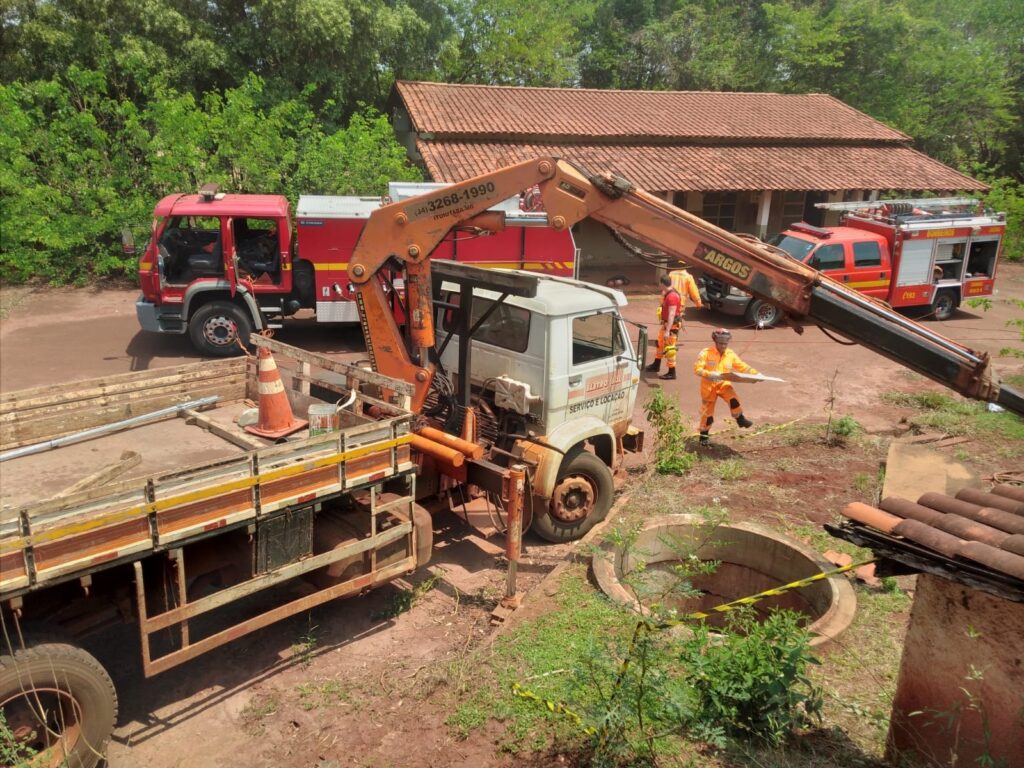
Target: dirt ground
361, 683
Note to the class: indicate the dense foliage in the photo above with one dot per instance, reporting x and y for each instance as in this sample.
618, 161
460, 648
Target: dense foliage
107, 104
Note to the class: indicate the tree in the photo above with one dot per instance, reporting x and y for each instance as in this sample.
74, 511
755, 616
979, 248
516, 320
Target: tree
508, 42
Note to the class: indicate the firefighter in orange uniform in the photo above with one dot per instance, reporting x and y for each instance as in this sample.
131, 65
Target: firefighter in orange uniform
711, 363
686, 286
670, 313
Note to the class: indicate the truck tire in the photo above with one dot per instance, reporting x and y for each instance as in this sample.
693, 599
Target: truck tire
945, 304
763, 314
215, 329
57, 701
581, 498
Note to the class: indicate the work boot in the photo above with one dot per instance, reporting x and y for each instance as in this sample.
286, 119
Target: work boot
705, 440
669, 374
743, 421
655, 366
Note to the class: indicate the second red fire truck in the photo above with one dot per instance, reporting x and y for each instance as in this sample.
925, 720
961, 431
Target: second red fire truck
220, 266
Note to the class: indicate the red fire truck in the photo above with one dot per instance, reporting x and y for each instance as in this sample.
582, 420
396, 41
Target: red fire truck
219, 266
927, 254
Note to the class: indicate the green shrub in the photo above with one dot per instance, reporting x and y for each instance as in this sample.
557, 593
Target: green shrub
670, 454
751, 683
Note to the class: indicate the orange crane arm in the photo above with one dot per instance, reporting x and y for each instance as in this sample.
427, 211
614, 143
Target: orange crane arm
409, 230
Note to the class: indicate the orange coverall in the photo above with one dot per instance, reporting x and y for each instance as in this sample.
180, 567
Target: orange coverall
710, 361
685, 285
668, 337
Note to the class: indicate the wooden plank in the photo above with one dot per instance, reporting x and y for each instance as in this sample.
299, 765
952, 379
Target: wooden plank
336, 366
38, 430
194, 417
55, 394
949, 441
232, 384
927, 437
103, 475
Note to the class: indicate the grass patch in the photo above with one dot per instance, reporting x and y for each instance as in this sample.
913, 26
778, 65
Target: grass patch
467, 718
259, 708
542, 654
405, 599
307, 644
955, 416
730, 470
321, 694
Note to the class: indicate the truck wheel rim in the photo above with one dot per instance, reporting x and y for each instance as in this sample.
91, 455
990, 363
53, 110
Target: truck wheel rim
46, 722
766, 314
220, 331
573, 499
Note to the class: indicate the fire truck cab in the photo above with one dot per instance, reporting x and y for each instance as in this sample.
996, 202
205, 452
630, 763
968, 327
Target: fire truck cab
923, 254
220, 266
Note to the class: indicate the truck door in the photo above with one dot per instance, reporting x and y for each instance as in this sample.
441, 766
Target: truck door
870, 271
831, 259
599, 371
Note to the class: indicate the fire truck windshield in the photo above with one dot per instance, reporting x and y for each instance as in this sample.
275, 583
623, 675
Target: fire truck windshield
796, 247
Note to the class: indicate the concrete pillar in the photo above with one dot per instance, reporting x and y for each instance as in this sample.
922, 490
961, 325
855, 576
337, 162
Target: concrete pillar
831, 218
695, 202
960, 694
873, 196
764, 210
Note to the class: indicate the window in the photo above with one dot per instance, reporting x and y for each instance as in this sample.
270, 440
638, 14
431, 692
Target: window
507, 327
982, 259
792, 207
796, 247
595, 337
867, 255
829, 258
720, 209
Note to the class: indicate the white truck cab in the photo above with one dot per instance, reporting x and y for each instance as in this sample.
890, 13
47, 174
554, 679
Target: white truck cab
558, 372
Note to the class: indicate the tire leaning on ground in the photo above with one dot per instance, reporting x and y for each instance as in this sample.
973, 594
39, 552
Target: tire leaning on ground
581, 498
215, 328
945, 304
58, 703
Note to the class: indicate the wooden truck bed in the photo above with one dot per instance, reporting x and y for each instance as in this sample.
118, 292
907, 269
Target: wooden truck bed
193, 475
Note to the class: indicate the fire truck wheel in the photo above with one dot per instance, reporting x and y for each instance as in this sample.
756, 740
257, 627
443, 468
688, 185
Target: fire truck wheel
58, 703
945, 305
761, 314
581, 498
216, 327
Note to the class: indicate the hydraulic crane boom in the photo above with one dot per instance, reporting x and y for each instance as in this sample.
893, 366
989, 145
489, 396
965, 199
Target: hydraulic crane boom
408, 231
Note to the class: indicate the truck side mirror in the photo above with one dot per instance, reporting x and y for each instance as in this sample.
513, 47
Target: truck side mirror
127, 242
641, 340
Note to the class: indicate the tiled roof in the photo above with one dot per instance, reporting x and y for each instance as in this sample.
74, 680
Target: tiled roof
540, 114
974, 537
700, 168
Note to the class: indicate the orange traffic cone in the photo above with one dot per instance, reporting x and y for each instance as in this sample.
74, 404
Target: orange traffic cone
276, 418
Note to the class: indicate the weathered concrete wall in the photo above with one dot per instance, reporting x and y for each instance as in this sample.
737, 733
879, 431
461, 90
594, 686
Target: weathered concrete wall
960, 694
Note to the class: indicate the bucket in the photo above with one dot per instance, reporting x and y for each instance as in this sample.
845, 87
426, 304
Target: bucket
323, 418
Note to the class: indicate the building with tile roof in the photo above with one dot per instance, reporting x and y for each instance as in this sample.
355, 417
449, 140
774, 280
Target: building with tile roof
749, 162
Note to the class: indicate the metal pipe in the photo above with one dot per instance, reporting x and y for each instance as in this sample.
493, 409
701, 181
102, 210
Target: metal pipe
88, 434
472, 450
514, 537
438, 451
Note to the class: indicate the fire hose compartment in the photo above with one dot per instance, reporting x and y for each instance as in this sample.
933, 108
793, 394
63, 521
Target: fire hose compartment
751, 559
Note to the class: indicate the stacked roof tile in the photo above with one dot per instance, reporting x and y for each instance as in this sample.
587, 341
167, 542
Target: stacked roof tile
974, 536
670, 140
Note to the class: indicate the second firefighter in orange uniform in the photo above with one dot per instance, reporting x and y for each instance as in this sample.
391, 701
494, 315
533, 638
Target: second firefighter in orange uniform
711, 363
